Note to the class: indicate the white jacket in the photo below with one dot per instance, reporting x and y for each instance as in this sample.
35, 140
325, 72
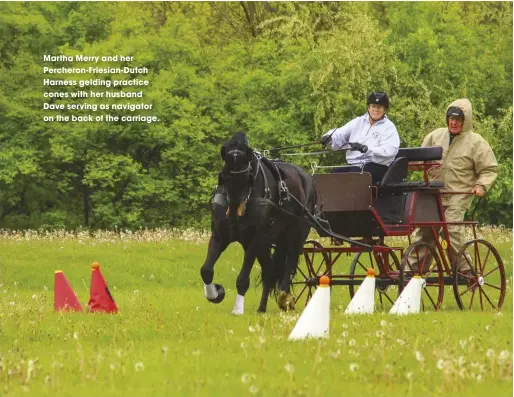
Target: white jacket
381, 138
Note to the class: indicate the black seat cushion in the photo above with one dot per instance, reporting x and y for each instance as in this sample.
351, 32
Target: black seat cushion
397, 172
428, 153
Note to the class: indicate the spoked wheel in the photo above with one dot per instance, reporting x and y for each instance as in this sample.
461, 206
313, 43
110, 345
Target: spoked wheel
420, 259
386, 266
484, 286
311, 266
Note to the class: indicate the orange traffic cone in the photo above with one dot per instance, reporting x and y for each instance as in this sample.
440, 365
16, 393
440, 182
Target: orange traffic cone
100, 297
64, 296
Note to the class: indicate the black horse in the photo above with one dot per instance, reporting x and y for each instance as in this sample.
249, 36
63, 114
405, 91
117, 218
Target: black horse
260, 204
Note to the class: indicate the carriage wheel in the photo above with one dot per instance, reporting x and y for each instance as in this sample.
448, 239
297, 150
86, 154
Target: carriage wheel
429, 268
310, 269
484, 286
377, 261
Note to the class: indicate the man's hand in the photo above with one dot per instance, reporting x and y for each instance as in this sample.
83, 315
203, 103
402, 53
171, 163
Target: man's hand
478, 191
326, 140
359, 147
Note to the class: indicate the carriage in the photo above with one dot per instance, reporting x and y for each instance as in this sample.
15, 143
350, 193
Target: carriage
366, 215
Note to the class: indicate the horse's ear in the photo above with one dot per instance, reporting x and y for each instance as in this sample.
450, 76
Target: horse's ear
223, 152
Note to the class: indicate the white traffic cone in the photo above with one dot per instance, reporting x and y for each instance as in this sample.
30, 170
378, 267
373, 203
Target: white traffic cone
409, 300
363, 301
315, 319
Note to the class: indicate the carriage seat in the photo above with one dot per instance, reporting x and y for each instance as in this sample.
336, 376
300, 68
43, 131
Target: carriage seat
428, 153
395, 191
396, 175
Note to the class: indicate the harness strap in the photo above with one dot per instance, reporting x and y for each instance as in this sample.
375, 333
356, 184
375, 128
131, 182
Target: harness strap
283, 191
267, 192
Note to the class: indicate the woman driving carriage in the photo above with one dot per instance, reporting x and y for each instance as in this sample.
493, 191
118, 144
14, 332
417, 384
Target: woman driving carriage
373, 137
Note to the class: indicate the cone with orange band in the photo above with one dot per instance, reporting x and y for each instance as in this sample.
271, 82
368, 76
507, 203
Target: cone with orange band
315, 319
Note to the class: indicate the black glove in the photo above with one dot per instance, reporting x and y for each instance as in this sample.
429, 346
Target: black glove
358, 147
326, 140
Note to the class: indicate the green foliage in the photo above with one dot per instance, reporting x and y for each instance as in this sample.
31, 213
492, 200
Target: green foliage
283, 72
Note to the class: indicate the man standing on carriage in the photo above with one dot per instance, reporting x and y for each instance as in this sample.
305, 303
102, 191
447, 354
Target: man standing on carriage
468, 165
373, 139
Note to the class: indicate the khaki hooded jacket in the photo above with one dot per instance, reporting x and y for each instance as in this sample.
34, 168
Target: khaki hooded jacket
467, 162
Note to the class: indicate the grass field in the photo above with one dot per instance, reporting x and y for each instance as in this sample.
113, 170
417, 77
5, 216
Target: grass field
169, 340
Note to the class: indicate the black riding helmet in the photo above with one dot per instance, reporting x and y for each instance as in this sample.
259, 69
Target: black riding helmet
454, 111
378, 98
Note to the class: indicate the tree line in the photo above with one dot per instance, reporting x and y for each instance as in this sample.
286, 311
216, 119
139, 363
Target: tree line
283, 72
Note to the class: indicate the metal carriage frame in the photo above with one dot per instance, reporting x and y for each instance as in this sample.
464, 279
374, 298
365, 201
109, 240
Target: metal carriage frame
367, 214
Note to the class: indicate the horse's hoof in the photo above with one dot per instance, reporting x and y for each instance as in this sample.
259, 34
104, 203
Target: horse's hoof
285, 301
221, 294
261, 310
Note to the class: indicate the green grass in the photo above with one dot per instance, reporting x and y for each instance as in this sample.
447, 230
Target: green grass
168, 340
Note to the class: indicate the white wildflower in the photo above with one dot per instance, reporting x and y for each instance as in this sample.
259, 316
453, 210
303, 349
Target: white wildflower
503, 356
354, 367
139, 366
440, 364
490, 353
289, 368
335, 354
419, 356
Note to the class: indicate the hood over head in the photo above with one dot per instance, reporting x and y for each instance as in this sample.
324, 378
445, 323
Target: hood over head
465, 105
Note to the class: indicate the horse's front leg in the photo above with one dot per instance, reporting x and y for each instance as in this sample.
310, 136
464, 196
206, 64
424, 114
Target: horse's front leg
214, 293
243, 279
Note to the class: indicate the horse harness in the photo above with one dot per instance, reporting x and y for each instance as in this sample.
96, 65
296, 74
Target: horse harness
283, 191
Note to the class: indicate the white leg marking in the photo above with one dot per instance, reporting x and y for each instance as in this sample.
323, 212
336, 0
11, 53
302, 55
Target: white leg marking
239, 306
210, 291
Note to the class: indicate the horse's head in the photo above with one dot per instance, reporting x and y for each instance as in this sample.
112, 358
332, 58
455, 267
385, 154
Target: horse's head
237, 154
237, 174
